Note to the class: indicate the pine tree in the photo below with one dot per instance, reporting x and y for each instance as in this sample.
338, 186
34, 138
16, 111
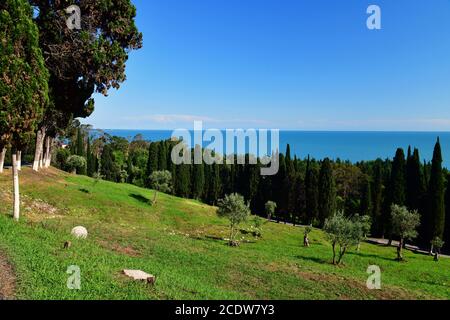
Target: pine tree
436, 195
327, 191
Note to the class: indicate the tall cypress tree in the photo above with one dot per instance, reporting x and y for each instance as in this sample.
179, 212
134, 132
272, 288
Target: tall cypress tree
365, 207
90, 159
312, 193
198, 179
162, 156
436, 195
327, 191
398, 179
377, 198
447, 216
152, 162
414, 181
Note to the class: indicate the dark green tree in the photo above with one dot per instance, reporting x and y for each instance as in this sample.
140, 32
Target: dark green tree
312, 193
365, 207
414, 181
327, 191
436, 195
152, 162
23, 82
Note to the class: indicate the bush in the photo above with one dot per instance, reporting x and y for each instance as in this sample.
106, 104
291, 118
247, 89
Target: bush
61, 158
76, 164
270, 209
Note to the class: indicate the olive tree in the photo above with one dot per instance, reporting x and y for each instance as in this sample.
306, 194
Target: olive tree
270, 209
23, 82
363, 225
308, 230
161, 181
234, 208
436, 245
404, 225
342, 232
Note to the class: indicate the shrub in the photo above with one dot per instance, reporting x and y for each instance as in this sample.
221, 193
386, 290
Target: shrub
76, 163
236, 210
161, 181
270, 209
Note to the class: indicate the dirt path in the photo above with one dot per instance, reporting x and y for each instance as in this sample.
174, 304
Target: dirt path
7, 279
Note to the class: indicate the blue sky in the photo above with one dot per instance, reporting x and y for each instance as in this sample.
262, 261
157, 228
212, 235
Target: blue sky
286, 64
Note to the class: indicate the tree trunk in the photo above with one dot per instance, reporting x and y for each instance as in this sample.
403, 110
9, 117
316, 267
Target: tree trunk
15, 171
341, 255
400, 250
19, 160
154, 197
38, 150
2, 159
48, 158
334, 253
305, 241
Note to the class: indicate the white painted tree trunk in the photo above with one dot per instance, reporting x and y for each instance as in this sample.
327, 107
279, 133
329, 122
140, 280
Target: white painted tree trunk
15, 171
19, 160
48, 152
38, 150
2, 159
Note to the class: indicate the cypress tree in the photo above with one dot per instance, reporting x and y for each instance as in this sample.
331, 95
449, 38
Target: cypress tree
447, 216
327, 191
377, 199
312, 193
198, 179
365, 207
162, 156
152, 162
436, 195
414, 181
90, 159
183, 180
109, 169
398, 179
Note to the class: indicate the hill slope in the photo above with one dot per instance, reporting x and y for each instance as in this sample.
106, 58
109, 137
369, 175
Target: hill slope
179, 241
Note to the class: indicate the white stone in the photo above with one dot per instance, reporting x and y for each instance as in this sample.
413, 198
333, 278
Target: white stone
79, 232
140, 275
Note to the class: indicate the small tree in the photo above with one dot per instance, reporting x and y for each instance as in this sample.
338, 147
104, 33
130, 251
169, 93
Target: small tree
234, 208
341, 232
404, 225
257, 226
308, 230
76, 164
161, 181
436, 245
270, 209
363, 224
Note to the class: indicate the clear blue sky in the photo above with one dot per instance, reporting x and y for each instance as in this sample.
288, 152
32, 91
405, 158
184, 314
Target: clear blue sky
287, 64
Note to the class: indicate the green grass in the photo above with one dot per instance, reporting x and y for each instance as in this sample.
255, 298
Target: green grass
178, 240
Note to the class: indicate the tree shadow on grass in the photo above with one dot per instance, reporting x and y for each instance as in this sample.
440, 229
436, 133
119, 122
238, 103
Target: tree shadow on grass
141, 198
368, 255
315, 259
84, 190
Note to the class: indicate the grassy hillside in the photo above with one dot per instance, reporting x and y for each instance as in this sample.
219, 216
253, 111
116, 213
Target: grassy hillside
179, 241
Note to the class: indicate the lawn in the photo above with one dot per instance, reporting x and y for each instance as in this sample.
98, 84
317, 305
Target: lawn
180, 242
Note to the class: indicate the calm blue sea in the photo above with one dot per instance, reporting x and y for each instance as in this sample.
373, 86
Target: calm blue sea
353, 146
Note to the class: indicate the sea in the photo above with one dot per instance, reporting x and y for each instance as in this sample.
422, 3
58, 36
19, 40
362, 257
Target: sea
344, 145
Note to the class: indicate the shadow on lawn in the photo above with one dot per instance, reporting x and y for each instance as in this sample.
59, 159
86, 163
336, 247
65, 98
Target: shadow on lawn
141, 198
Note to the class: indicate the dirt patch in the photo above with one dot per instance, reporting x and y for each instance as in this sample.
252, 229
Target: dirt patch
343, 285
7, 279
128, 250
